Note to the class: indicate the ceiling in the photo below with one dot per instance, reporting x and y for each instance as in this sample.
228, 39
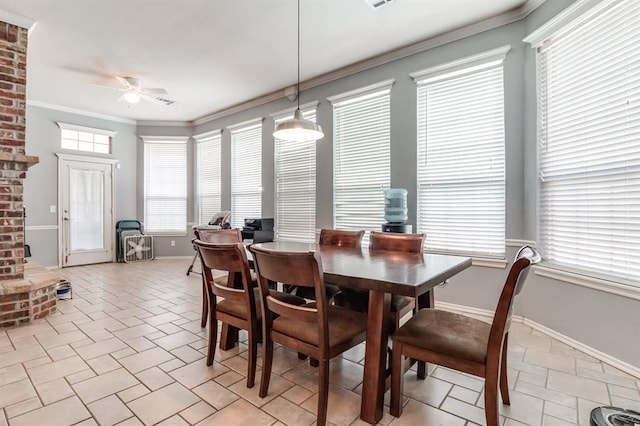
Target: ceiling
213, 54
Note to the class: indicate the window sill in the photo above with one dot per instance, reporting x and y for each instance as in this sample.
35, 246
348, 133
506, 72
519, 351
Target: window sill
488, 262
600, 284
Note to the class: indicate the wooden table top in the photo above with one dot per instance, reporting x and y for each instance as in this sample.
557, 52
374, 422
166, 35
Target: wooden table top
407, 274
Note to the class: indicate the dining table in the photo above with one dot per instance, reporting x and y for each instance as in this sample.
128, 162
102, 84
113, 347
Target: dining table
382, 274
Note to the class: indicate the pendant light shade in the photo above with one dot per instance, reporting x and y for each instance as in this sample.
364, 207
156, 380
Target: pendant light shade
297, 128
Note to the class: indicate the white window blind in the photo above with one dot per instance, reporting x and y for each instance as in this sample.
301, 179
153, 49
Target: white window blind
589, 144
361, 165
246, 173
461, 160
295, 174
209, 176
165, 186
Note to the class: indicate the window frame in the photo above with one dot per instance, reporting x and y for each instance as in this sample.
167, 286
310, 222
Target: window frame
177, 141
255, 168
216, 195
94, 132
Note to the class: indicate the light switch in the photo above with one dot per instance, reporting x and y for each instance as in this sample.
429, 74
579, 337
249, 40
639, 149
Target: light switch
52, 209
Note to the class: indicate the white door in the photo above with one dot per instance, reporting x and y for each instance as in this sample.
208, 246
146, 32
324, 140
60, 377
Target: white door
86, 210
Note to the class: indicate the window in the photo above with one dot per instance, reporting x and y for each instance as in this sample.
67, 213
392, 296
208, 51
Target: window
79, 138
361, 150
295, 174
461, 177
246, 172
208, 155
588, 150
165, 185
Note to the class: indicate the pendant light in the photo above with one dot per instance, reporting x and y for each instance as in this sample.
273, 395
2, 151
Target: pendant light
297, 128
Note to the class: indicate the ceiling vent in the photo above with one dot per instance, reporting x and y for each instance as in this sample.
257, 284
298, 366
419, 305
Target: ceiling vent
377, 3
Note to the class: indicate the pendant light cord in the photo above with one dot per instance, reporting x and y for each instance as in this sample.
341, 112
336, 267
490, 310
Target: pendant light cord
298, 88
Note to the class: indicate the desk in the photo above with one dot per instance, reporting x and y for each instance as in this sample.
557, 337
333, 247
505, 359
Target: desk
382, 273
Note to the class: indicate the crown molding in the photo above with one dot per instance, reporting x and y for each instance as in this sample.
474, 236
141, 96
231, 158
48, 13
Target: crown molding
403, 52
18, 20
164, 123
81, 112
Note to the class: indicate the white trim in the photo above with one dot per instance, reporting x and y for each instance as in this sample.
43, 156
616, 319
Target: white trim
566, 20
481, 59
41, 228
249, 123
278, 115
362, 91
519, 243
206, 136
614, 362
81, 112
600, 284
67, 126
187, 124
488, 315
164, 139
488, 262
18, 20
83, 158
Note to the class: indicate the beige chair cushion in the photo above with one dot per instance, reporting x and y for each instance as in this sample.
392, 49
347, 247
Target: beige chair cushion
446, 333
344, 325
238, 308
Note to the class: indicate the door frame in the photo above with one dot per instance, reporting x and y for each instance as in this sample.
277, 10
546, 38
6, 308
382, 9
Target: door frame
112, 217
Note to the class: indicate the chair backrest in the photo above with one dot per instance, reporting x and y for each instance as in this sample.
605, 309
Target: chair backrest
229, 257
219, 235
339, 238
525, 257
408, 243
303, 269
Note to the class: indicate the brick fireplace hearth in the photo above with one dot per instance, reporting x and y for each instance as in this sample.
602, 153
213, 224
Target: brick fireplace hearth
25, 293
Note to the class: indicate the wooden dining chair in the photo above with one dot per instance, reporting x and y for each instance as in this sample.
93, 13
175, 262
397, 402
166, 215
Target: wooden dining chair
463, 343
387, 241
240, 306
218, 236
317, 329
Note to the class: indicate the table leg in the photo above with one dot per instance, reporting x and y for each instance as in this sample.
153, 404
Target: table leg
375, 358
426, 300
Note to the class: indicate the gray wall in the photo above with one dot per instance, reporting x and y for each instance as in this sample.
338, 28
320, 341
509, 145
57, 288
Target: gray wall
600, 320
41, 185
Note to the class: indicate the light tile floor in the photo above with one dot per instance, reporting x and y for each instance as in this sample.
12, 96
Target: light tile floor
129, 350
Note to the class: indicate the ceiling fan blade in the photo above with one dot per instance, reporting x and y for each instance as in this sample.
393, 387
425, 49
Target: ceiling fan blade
154, 91
133, 82
159, 101
123, 81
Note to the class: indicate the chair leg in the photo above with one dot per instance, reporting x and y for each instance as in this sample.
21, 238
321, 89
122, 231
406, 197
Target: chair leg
252, 355
205, 305
397, 380
491, 398
422, 370
213, 336
504, 380
267, 362
323, 392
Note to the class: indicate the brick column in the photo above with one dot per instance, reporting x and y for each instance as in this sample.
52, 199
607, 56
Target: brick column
13, 161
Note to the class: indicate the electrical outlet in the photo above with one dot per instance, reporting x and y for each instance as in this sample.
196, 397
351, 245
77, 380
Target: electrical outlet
173, 243
52, 209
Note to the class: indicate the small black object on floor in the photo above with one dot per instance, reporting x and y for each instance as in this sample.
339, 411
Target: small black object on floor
613, 416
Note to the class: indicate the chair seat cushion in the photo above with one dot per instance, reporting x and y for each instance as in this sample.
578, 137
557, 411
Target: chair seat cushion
344, 325
238, 308
446, 333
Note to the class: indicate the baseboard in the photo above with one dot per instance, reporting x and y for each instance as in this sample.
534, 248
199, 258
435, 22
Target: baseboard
488, 315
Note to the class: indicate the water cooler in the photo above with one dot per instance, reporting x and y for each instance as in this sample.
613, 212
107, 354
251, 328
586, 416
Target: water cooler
395, 211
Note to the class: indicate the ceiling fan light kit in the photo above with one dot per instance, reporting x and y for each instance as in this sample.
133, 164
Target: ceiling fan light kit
297, 128
134, 92
131, 97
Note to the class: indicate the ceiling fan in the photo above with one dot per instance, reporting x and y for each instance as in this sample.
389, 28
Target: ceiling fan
134, 92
